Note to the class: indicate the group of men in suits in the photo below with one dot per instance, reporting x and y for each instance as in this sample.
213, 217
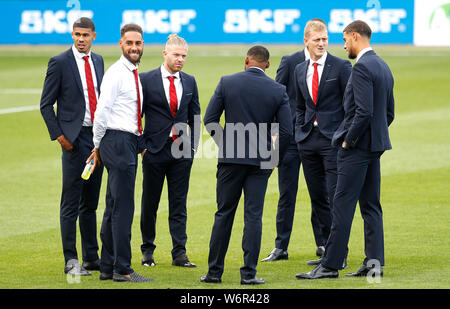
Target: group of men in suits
118, 99
319, 111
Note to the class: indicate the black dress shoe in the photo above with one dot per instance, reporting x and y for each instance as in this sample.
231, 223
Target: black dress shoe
320, 251
147, 259
183, 261
318, 261
364, 270
209, 279
276, 255
105, 276
74, 268
253, 281
134, 277
320, 272
94, 265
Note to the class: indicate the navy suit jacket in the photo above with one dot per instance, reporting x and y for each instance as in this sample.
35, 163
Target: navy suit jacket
329, 109
63, 85
158, 117
286, 76
368, 105
249, 98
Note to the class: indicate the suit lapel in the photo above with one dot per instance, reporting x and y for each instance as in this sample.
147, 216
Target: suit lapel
184, 85
160, 87
323, 78
96, 63
303, 81
76, 73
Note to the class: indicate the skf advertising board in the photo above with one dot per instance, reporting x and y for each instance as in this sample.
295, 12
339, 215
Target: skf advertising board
50, 22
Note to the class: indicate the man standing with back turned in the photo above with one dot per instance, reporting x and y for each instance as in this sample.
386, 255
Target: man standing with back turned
363, 136
117, 129
250, 99
73, 81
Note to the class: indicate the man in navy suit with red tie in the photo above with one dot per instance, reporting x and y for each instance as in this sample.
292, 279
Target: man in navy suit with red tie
171, 107
73, 81
289, 169
362, 137
319, 83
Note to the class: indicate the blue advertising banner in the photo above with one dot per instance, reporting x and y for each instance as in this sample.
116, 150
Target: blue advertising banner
50, 22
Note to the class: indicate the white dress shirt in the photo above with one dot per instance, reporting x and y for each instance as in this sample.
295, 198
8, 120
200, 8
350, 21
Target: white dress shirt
117, 105
310, 73
80, 64
307, 54
166, 83
362, 52
257, 68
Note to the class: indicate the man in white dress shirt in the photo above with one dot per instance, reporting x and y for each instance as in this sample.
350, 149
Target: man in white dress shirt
117, 128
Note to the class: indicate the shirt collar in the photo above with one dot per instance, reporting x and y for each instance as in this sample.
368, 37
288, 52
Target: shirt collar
362, 52
321, 60
165, 73
307, 54
256, 68
128, 64
79, 55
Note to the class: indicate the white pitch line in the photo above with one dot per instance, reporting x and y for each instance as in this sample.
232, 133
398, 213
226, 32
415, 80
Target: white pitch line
20, 91
18, 109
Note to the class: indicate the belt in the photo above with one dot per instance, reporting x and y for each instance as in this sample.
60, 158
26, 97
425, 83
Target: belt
86, 128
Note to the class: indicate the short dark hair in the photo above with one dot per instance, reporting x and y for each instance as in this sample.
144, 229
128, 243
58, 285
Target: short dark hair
360, 27
259, 53
84, 22
131, 27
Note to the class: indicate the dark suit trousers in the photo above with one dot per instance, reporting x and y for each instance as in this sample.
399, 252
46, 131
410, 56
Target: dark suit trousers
155, 168
319, 168
79, 199
118, 151
288, 172
231, 180
358, 179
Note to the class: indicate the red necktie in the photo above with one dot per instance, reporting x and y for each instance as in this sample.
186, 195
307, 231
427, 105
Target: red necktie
139, 120
173, 101
315, 83
90, 86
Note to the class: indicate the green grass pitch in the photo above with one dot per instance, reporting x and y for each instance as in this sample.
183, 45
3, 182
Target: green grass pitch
415, 183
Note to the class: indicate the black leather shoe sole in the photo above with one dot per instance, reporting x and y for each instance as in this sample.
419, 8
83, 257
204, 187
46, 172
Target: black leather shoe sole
276, 257
308, 277
209, 279
253, 281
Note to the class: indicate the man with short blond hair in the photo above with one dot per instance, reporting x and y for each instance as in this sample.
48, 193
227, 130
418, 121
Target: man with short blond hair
320, 86
172, 110
289, 168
